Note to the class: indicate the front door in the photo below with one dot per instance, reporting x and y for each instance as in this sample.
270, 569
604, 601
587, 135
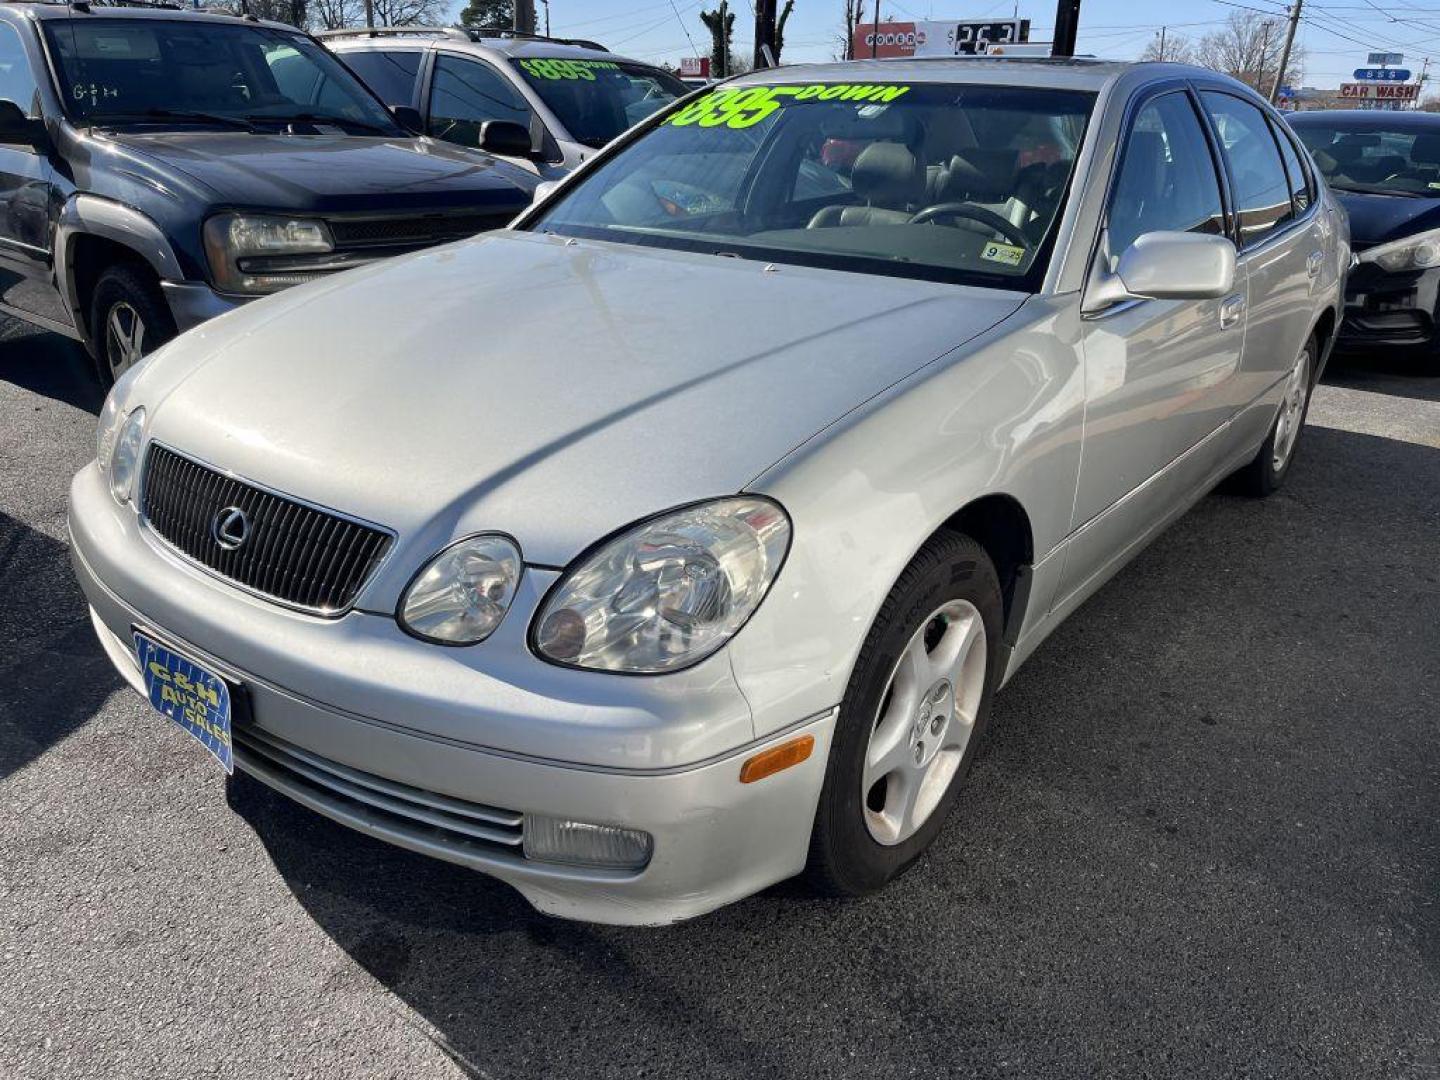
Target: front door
1158, 373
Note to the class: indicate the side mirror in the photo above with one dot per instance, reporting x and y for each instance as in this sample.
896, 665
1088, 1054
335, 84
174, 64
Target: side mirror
408, 118
17, 129
503, 137
1165, 266
544, 189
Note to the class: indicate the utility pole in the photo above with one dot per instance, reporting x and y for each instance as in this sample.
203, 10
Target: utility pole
524, 16
875, 36
370, 14
1162, 44
1285, 52
764, 32
1067, 26
1420, 82
547, 16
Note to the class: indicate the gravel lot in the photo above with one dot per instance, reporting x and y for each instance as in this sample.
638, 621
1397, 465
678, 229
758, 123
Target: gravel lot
1202, 839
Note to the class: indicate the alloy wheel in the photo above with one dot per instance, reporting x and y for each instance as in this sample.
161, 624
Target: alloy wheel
124, 338
924, 723
1292, 412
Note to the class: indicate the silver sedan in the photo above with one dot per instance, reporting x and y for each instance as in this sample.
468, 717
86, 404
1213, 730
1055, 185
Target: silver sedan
674, 541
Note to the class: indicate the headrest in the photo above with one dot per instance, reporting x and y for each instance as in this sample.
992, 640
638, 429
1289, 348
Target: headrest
887, 174
982, 175
1426, 150
1346, 153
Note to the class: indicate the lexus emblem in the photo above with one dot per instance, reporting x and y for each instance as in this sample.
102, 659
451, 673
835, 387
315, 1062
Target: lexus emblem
230, 527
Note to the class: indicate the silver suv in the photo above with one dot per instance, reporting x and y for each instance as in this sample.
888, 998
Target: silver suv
546, 102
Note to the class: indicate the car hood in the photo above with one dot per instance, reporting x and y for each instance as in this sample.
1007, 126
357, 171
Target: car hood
333, 172
1378, 219
552, 390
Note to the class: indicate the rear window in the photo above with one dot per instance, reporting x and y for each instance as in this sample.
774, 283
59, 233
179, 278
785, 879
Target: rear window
1363, 157
390, 74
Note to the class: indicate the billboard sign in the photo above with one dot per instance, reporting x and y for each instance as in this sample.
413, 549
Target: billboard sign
1354, 91
1385, 59
1382, 74
695, 67
889, 40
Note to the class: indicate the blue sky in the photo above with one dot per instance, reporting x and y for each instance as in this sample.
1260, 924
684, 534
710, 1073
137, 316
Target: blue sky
1335, 33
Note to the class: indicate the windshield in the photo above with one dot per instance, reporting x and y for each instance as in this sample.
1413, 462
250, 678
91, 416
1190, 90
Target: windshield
947, 182
182, 71
1370, 159
598, 99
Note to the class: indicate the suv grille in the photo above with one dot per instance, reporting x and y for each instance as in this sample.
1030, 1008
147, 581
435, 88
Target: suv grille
419, 230
289, 551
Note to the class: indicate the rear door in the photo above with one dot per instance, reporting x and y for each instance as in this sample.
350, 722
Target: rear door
1281, 242
1157, 372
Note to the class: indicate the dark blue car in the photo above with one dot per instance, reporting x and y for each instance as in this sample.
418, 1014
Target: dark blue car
1385, 170
159, 167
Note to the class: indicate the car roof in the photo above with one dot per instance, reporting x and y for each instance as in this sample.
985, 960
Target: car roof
1366, 119
47, 11
521, 48
1059, 73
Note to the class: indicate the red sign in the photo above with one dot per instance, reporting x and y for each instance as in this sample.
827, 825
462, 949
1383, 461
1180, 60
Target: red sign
1354, 91
695, 67
887, 40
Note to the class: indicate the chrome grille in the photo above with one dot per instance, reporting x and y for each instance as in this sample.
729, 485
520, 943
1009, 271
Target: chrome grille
300, 555
423, 814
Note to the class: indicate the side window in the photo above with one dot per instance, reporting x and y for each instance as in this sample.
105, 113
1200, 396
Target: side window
390, 74
1262, 191
17, 82
1167, 178
466, 93
1296, 171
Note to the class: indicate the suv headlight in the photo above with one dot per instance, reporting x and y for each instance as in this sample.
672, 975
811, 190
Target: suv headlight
462, 594
259, 253
1418, 252
668, 592
118, 447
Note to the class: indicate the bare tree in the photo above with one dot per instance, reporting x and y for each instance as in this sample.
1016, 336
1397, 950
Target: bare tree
1170, 48
1248, 48
854, 15
411, 12
337, 14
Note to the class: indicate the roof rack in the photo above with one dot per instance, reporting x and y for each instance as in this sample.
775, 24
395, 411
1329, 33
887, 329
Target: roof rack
457, 33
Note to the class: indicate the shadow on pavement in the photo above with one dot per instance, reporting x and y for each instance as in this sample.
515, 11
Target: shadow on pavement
48, 364
53, 674
1395, 372
1200, 840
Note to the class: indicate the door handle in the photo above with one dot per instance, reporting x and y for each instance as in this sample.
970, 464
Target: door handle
1231, 310
1313, 262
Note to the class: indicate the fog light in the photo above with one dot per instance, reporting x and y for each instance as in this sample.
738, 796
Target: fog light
580, 843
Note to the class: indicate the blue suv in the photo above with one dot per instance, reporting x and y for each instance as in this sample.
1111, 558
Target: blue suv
159, 167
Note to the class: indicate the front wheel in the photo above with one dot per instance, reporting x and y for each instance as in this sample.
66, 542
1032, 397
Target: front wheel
128, 318
910, 719
1267, 471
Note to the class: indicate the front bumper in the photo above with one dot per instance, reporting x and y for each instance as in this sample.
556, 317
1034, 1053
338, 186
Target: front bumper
192, 303
715, 840
1390, 310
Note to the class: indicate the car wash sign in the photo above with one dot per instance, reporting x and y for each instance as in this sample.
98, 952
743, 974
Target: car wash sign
1379, 92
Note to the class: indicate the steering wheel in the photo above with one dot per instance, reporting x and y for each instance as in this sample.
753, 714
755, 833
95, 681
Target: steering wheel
1010, 230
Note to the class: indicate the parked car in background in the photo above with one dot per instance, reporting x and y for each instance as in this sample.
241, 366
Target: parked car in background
159, 167
545, 102
1384, 168
715, 582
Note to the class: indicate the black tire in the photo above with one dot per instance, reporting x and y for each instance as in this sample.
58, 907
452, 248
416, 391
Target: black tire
1262, 477
845, 859
120, 287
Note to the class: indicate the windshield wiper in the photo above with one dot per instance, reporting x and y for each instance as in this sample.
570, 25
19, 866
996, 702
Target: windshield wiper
189, 115
1376, 189
317, 118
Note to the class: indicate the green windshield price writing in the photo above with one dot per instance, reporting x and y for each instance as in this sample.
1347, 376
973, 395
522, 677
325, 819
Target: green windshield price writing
746, 106
567, 69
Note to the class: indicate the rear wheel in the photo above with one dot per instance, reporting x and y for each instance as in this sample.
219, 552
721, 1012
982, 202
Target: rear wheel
910, 720
128, 318
1267, 471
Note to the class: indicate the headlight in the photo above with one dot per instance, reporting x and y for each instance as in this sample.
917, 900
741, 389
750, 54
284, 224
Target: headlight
125, 457
1418, 252
667, 593
110, 419
463, 593
256, 253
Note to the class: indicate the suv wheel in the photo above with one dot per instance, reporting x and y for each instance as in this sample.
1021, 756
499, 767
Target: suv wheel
129, 318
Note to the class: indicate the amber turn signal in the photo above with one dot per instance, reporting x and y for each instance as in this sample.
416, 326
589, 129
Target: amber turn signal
776, 759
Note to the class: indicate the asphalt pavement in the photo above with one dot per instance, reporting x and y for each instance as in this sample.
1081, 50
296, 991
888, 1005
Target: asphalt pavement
1201, 839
